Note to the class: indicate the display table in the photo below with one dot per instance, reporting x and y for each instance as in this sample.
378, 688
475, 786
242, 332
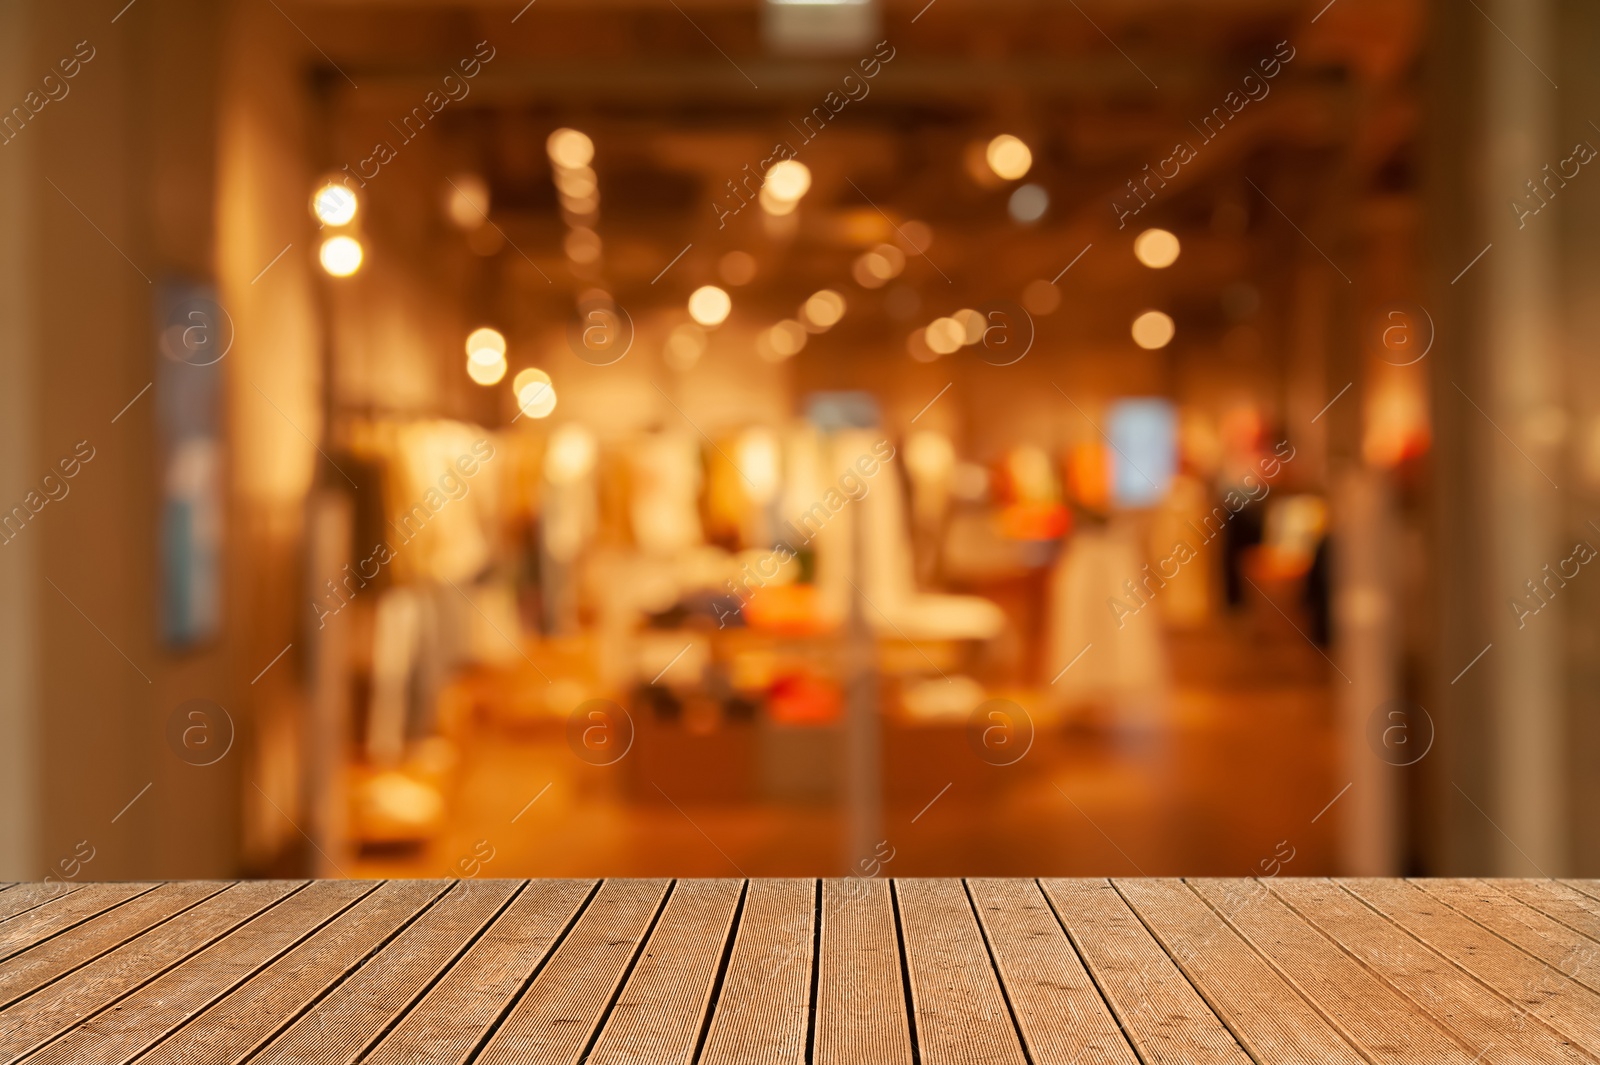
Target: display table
1045, 972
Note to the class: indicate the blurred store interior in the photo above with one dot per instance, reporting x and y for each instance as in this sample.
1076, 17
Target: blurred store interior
749, 437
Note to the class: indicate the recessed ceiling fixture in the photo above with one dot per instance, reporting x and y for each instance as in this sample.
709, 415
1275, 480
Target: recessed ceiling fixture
1152, 330
781, 341
1156, 248
786, 181
486, 373
466, 200
486, 346
334, 204
823, 310
536, 396
341, 256
1008, 157
945, 335
570, 149
709, 305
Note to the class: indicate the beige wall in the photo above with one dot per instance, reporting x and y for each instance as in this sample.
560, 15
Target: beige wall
133, 178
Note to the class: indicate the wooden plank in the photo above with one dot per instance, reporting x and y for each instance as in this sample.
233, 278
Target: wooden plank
1590, 888
355, 1013
64, 912
161, 1006
40, 1017
1478, 1017
25, 973
1266, 1014
1157, 1007
556, 1018
235, 1027
660, 1013
763, 1013
1384, 1025
1554, 899
24, 897
1059, 1011
861, 1004
961, 1014
450, 1021
1530, 986
1576, 956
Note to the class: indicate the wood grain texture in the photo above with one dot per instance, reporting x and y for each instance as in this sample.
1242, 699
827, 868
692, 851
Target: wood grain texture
1590, 888
453, 1017
64, 912
21, 898
1158, 1009
1263, 1010
791, 972
1058, 1010
41, 1016
862, 1016
1479, 1017
351, 1016
658, 1016
164, 1004
1368, 1012
556, 1017
245, 1018
763, 1013
33, 968
961, 1014
1532, 989
1572, 908
1576, 956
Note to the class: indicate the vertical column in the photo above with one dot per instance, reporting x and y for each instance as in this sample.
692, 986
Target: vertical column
19, 751
1521, 379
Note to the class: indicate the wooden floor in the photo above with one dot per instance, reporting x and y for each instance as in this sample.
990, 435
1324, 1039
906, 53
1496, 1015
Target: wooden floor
1048, 972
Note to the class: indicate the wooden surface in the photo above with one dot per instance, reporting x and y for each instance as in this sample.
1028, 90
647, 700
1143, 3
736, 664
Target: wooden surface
791, 972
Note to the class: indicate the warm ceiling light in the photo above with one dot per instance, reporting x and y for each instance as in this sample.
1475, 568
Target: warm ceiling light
582, 245
971, 325
1028, 204
486, 373
788, 179
580, 209
709, 305
579, 182
914, 236
774, 204
781, 341
823, 310
334, 204
1152, 330
538, 401
341, 256
536, 396
945, 335
466, 200
486, 346
1008, 157
530, 376
1156, 248
870, 269
570, 149
879, 265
